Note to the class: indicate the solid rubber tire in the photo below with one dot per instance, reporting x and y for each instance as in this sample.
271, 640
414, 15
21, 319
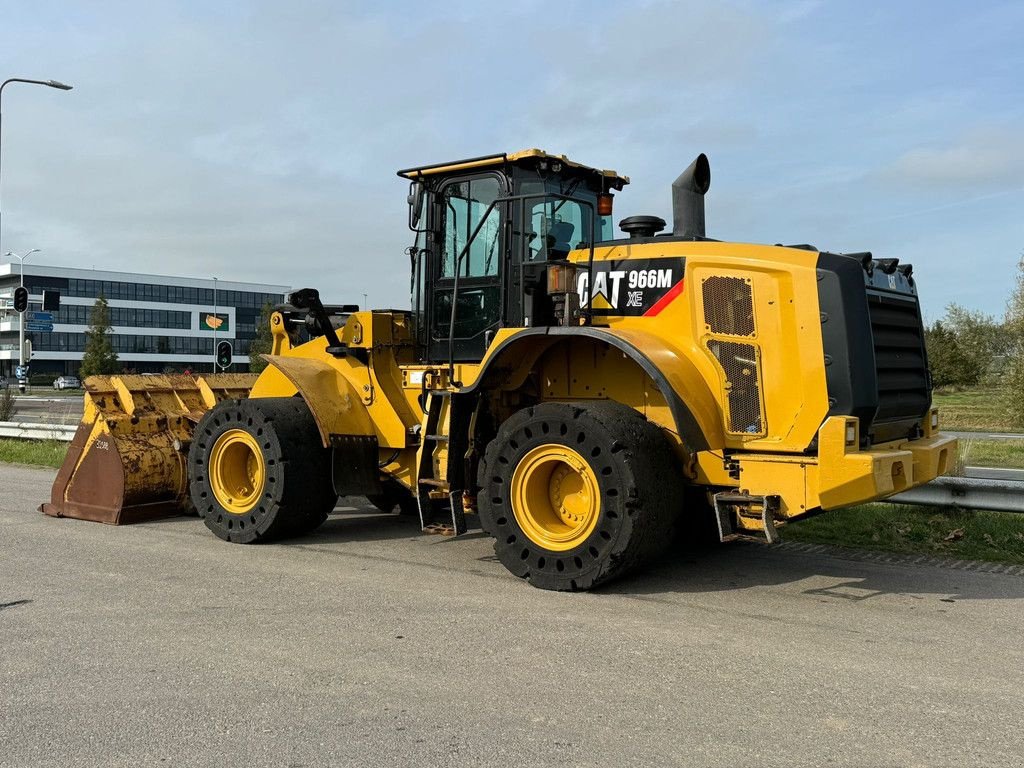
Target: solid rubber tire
639, 477
298, 493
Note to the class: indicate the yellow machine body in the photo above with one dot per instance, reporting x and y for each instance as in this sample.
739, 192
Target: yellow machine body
675, 341
783, 380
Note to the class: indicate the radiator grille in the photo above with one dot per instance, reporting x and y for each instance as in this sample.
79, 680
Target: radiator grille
740, 366
904, 391
728, 305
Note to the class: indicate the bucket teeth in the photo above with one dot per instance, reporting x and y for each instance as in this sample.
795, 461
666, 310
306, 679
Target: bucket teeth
127, 460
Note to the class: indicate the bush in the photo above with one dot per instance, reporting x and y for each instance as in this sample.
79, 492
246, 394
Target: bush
1013, 382
7, 403
1014, 392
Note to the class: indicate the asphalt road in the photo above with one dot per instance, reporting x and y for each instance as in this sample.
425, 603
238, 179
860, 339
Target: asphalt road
57, 409
985, 435
369, 644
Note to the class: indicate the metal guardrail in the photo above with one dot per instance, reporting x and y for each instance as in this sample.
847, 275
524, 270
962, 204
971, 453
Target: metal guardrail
966, 493
30, 430
994, 473
989, 489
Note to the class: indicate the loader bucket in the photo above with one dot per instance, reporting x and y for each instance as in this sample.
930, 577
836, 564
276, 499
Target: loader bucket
127, 461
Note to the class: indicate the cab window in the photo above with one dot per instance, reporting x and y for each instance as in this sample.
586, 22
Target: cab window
464, 205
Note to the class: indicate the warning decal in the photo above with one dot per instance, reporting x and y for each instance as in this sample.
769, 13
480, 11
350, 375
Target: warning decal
632, 287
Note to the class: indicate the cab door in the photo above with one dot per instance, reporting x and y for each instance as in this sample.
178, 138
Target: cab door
467, 266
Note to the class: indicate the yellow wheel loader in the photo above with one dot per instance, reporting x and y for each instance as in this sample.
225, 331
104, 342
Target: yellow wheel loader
581, 394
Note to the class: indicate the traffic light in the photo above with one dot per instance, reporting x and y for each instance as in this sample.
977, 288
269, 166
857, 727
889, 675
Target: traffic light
224, 354
51, 301
20, 299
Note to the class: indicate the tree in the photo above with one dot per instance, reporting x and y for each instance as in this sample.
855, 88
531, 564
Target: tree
263, 344
981, 334
1013, 389
964, 347
99, 357
945, 357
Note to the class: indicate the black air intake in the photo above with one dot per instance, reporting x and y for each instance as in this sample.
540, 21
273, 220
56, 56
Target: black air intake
688, 198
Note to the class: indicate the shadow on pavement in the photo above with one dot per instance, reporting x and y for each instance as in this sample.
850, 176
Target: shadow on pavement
856, 575
742, 565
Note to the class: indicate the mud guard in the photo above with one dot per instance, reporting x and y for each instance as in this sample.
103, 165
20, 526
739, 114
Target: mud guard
661, 363
334, 401
341, 417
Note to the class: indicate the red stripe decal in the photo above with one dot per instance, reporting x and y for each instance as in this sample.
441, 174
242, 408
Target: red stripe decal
665, 300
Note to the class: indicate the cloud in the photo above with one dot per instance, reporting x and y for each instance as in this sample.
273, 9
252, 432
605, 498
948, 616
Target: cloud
991, 157
799, 10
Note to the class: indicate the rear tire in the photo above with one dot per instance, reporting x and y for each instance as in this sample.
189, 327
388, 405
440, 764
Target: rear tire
258, 471
614, 484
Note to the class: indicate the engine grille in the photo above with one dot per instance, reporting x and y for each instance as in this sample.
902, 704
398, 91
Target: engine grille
729, 312
728, 305
740, 365
904, 387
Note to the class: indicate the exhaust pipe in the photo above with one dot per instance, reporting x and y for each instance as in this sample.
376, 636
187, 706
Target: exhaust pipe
688, 199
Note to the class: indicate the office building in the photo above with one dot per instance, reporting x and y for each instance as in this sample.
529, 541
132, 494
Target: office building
159, 322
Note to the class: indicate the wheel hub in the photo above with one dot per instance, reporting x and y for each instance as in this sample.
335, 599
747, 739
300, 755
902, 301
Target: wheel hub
555, 497
237, 471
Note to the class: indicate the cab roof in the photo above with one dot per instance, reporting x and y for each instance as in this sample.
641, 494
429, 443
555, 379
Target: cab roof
523, 157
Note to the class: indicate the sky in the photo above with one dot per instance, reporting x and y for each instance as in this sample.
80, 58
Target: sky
259, 140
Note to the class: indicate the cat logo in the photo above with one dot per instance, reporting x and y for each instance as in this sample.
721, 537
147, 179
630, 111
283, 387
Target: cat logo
632, 287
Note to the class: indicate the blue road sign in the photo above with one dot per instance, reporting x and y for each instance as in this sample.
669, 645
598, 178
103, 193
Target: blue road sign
39, 317
41, 327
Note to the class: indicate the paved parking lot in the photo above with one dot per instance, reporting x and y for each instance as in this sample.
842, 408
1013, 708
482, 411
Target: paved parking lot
369, 644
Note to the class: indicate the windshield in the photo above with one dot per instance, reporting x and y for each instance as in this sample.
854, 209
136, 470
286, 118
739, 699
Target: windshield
556, 226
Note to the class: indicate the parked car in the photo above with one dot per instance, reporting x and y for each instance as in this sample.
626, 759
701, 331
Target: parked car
67, 382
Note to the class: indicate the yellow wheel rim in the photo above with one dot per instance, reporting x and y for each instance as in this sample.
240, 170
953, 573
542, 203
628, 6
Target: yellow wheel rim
555, 497
237, 471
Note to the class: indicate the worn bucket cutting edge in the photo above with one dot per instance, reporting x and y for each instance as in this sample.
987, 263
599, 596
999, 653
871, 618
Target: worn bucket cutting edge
127, 460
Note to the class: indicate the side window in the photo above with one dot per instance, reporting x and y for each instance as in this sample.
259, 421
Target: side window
464, 205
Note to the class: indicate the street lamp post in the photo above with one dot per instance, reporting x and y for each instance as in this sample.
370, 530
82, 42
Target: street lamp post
21, 315
48, 84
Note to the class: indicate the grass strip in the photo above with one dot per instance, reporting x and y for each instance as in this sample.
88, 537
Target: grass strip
40, 453
961, 534
978, 409
992, 453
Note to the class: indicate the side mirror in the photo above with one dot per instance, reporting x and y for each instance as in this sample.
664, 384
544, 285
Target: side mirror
415, 200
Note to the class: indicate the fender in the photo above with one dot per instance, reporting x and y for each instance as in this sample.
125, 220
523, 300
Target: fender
670, 371
335, 403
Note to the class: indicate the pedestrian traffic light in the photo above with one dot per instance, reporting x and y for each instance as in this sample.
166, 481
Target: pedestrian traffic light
20, 299
224, 353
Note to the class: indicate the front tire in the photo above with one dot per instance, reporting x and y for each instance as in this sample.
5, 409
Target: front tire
576, 495
258, 471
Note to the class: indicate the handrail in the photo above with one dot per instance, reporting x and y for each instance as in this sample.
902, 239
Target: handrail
588, 317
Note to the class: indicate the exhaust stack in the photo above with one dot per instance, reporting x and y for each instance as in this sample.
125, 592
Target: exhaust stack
688, 199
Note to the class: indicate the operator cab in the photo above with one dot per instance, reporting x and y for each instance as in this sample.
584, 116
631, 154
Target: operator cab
488, 230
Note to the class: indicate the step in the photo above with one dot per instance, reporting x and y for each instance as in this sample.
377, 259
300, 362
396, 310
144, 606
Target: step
751, 507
